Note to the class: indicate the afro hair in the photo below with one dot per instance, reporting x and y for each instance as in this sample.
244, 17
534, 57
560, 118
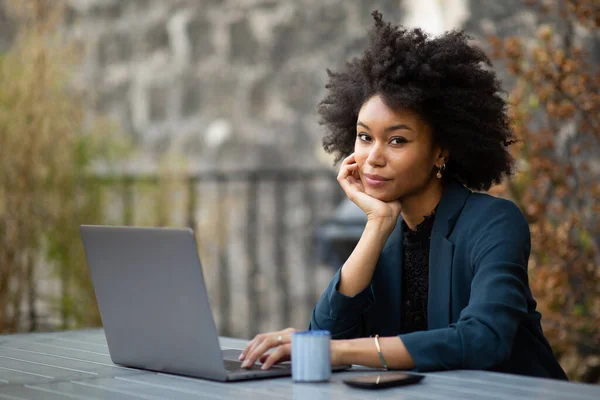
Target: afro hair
445, 80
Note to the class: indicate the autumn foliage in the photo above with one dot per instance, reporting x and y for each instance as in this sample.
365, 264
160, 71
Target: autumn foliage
555, 106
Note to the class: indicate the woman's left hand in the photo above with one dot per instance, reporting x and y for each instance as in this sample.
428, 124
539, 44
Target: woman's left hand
257, 349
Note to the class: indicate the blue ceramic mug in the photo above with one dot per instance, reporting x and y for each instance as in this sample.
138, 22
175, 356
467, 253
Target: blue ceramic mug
311, 356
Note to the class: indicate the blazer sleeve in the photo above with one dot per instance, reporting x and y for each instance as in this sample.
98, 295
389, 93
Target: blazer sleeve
483, 335
340, 314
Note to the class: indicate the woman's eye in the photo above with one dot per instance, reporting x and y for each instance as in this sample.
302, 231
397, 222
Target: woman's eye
398, 140
364, 137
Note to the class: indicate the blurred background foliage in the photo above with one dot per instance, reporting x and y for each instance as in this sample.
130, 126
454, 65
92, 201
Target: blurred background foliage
556, 114
49, 147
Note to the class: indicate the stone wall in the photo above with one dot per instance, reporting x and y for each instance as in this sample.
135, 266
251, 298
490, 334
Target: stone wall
233, 83
236, 82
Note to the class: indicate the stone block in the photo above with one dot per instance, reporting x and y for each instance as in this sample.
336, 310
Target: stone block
116, 96
301, 88
158, 98
114, 48
267, 5
285, 44
244, 46
191, 97
200, 35
259, 97
327, 24
219, 94
308, 31
154, 37
106, 10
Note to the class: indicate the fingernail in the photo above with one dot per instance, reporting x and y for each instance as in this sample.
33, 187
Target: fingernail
263, 367
241, 357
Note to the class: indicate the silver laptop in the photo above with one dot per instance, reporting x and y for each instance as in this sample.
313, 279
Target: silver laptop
154, 305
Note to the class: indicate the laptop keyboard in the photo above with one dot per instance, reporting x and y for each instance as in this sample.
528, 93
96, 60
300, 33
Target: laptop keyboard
233, 366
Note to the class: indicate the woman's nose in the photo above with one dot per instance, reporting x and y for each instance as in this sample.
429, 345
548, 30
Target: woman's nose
376, 156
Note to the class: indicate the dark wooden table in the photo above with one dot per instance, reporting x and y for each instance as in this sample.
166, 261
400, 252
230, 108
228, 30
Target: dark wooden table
76, 365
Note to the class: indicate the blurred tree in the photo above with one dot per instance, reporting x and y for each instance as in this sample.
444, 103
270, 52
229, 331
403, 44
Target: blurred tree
556, 113
46, 150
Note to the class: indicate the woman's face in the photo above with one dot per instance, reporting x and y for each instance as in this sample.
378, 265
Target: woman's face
394, 151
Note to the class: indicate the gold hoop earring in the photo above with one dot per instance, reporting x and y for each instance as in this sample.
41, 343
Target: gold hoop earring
441, 168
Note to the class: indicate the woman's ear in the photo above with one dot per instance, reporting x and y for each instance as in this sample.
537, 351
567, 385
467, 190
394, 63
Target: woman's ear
443, 155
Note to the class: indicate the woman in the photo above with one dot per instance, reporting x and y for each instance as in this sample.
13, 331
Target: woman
438, 279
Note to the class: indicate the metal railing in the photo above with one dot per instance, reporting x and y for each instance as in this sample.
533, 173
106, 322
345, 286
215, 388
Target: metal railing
255, 232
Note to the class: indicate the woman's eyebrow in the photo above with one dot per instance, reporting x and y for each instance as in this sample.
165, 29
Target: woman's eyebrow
389, 128
398, 127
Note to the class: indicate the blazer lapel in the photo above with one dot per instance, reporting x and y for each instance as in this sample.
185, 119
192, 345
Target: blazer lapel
440, 255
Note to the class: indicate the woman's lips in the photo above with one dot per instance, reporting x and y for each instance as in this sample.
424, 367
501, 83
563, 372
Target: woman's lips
375, 180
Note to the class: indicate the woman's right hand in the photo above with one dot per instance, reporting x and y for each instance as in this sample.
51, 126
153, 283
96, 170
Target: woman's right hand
375, 209
258, 349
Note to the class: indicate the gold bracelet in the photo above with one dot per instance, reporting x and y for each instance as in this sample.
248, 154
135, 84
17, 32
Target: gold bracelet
380, 353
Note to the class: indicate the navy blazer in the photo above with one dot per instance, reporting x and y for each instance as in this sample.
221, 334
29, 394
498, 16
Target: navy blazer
480, 310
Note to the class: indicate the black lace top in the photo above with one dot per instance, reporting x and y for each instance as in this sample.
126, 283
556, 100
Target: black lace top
415, 275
